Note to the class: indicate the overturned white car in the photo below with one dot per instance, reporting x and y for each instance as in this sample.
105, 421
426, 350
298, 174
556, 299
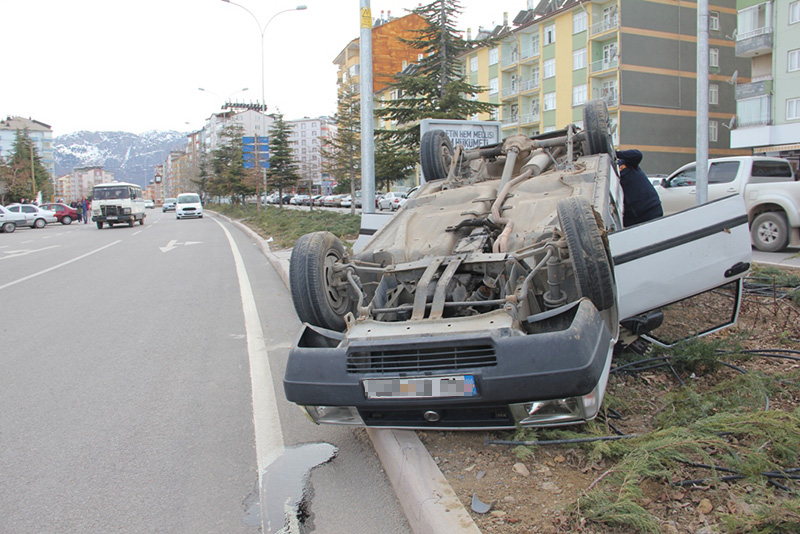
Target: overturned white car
495, 297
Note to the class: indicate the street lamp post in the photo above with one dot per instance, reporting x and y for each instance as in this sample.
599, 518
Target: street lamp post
262, 30
227, 99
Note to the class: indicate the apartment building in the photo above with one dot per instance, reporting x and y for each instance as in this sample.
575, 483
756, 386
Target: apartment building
640, 56
79, 183
768, 105
40, 133
307, 137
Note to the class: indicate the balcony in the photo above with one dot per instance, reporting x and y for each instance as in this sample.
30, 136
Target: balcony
609, 95
754, 43
509, 121
754, 112
530, 118
605, 25
510, 60
596, 67
529, 85
510, 91
754, 89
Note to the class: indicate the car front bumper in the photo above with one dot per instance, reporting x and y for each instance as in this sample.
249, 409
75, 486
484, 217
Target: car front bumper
113, 218
554, 374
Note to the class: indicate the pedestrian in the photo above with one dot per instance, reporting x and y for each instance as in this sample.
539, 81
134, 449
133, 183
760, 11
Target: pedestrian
85, 206
79, 210
641, 203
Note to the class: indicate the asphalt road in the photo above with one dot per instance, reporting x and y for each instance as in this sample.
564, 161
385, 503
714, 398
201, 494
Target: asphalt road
126, 401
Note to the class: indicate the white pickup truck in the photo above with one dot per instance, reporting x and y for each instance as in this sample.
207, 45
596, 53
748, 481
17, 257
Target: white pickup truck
768, 186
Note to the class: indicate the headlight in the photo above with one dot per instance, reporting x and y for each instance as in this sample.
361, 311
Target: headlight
126, 211
558, 411
336, 415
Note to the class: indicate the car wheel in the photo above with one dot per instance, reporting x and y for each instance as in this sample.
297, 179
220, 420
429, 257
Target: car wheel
435, 155
9, 227
141, 221
131, 222
99, 225
593, 275
39, 223
595, 122
66, 219
770, 232
312, 279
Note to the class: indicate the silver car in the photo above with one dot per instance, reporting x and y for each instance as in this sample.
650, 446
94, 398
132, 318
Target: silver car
35, 217
9, 220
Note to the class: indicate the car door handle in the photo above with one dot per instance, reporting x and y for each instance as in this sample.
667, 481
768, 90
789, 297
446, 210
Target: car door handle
732, 190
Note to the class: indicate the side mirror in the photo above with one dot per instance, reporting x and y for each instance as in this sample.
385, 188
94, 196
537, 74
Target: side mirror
664, 183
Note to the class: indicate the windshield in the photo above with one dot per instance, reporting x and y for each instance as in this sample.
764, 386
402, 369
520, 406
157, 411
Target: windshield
188, 199
110, 193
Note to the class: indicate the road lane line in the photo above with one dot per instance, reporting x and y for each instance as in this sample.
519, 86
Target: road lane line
266, 422
53, 268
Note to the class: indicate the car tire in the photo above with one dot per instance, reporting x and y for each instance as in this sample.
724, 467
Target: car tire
39, 223
595, 122
435, 155
141, 221
99, 225
594, 277
8, 227
770, 232
66, 219
131, 222
310, 276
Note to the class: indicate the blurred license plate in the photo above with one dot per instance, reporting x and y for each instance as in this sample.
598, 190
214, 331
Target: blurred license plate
112, 217
420, 388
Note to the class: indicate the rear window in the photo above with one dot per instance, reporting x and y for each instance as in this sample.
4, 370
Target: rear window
771, 171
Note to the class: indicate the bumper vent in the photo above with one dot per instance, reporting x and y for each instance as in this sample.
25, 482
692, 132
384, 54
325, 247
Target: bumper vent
111, 210
420, 359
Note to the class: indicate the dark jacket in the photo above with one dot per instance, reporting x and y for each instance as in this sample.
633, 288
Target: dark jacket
641, 200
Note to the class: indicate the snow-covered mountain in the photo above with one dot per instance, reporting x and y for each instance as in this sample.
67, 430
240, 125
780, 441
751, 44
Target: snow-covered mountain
129, 156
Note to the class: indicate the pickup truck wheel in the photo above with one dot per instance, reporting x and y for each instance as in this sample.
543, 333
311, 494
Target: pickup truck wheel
590, 261
311, 277
595, 123
770, 232
435, 155
9, 227
39, 223
66, 219
131, 222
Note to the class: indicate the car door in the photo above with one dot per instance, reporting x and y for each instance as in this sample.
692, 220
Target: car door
723, 179
680, 191
671, 258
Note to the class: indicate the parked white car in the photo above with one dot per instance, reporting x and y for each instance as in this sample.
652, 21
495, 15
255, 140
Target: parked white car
35, 217
9, 220
767, 186
391, 201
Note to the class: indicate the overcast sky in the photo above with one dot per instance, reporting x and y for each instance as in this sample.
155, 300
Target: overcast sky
135, 66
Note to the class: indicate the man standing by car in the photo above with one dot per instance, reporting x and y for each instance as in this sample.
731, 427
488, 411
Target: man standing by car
85, 205
642, 203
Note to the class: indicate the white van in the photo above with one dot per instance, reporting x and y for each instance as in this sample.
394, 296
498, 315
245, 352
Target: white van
117, 203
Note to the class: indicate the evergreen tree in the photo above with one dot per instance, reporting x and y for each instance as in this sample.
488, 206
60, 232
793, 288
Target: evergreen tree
15, 174
229, 177
282, 171
343, 153
393, 161
435, 87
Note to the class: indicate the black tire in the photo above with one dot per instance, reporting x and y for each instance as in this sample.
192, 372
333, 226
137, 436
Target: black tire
595, 124
99, 225
66, 219
770, 232
594, 277
435, 155
141, 221
131, 222
39, 223
310, 277
9, 227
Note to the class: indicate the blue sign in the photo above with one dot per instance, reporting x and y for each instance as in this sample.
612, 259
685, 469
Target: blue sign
249, 149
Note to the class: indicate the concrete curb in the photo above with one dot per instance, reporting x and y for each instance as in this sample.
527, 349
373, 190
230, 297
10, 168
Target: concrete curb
428, 500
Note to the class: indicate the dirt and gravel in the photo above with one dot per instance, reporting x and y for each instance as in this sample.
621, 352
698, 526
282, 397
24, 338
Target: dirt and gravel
556, 488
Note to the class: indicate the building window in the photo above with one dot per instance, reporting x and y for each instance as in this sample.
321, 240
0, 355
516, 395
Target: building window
494, 114
473, 64
579, 22
579, 59
549, 34
494, 56
713, 21
494, 86
549, 68
713, 94
534, 45
794, 60
793, 109
713, 131
794, 12
713, 57
549, 101
579, 95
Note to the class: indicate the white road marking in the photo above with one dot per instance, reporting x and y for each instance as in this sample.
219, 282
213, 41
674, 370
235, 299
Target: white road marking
25, 252
266, 422
53, 268
172, 245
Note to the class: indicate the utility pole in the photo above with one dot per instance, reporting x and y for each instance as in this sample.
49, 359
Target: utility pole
367, 117
33, 174
702, 102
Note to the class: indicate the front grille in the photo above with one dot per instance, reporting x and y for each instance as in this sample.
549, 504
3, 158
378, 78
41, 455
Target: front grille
111, 210
420, 359
449, 417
